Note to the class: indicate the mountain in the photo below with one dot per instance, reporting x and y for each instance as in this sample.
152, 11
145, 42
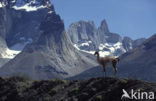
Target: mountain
50, 54
140, 62
86, 37
95, 89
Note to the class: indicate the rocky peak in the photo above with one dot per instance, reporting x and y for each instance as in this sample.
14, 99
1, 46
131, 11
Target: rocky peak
91, 22
127, 39
127, 43
83, 23
52, 23
51, 31
150, 43
104, 27
83, 30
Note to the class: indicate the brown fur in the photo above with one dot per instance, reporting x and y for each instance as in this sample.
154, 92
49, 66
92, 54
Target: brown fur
106, 62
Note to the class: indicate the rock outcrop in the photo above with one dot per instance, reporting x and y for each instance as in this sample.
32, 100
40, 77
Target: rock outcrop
86, 37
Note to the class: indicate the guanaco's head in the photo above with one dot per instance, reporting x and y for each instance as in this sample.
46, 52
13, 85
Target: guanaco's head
96, 53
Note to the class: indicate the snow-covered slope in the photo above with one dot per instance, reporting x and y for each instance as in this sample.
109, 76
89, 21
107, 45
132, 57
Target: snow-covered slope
9, 54
106, 49
27, 5
5, 53
32, 5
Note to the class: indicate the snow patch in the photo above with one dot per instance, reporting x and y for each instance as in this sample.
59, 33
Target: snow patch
105, 50
2, 4
28, 8
90, 52
10, 54
104, 54
85, 43
75, 45
111, 46
16, 49
50, 12
31, 6
13, 1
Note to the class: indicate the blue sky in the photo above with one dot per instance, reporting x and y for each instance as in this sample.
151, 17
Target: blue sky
133, 18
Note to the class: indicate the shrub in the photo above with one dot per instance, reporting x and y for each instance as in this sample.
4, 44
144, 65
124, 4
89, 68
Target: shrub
54, 90
64, 81
124, 80
75, 89
99, 97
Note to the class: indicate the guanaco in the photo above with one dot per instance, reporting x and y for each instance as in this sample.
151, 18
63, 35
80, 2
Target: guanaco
106, 62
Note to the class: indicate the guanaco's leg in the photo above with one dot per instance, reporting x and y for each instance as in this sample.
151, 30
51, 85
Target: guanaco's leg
114, 67
104, 70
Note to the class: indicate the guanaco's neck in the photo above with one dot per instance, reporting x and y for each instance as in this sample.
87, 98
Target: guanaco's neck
98, 56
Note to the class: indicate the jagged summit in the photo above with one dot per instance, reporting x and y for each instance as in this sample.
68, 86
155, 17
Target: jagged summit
104, 26
86, 37
81, 31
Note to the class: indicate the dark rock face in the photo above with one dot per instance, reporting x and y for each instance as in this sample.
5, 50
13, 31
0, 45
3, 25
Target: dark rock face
140, 62
82, 31
105, 35
95, 89
87, 37
51, 54
19, 25
104, 27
